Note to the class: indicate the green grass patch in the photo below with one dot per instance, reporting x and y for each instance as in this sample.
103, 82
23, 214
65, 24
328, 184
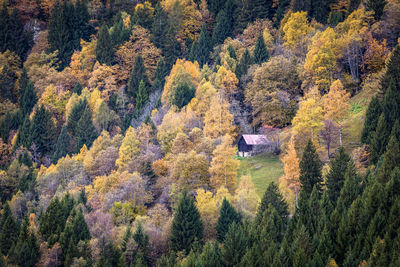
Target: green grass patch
263, 169
356, 108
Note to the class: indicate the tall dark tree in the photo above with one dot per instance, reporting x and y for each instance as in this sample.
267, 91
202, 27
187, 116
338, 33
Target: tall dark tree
141, 97
310, 169
335, 176
86, 133
160, 74
201, 48
215, 6
223, 28
9, 230
390, 161
75, 115
119, 34
28, 98
262, 9
350, 189
7, 83
62, 145
301, 5
24, 134
377, 6
227, 215
52, 222
392, 69
234, 245
371, 120
183, 94
379, 138
321, 10
280, 12
138, 74
78, 88
160, 26
211, 255
186, 226
231, 52
244, 63
42, 130
273, 197
391, 103
104, 47
260, 51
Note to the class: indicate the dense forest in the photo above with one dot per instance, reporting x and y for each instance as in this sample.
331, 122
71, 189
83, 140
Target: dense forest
119, 123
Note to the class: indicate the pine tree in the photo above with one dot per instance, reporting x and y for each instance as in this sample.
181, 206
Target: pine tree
28, 99
320, 10
391, 104
227, 216
9, 230
7, 83
83, 29
215, 6
377, 6
244, 63
183, 94
379, 138
75, 115
310, 169
234, 245
26, 250
390, 161
141, 97
262, 9
142, 241
301, 5
52, 222
160, 74
138, 74
222, 29
202, 52
119, 34
61, 147
281, 10
232, 52
78, 88
86, 133
371, 120
42, 130
211, 255
392, 69
186, 225
260, 51
160, 26
4, 130
350, 190
273, 197
24, 134
335, 176
104, 47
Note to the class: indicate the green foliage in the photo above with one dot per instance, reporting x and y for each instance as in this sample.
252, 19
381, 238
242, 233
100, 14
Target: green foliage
104, 47
234, 245
7, 82
42, 130
223, 28
183, 94
371, 120
201, 48
227, 216
141, 97
119, 34
310, 170
9, 230
86, 133
244, 63
78, 88
138, 74
377, 6
211, 255
350, 190
390, 161
335, 177
159, 77
160, 26
75, 115
62, 145
273, 197
186, 226
379, 138
52, 222
260, 51
393, 69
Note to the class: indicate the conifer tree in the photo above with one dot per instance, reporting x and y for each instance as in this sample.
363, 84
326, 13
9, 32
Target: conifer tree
392, 69
62, 144
222, 29
262, 9
260, 51
24, 134
396, 130
42, 130
160, 74
160, 26
391, 104
142, 241
138, 74
186, 225
26, 250
371, 120
377, 6
211, 255
234, 245
310, 170
203, 47
320, 10
104, 47
350, 190
390, 161
273, 197
301, 247
335, 176
9, 230
379, 138
7, 83
244, 63
232, 52
78, 88
119, 34
52, 222
227, 216
75, 115
141, 97
86, 133
215, 6
28, 99
183, 94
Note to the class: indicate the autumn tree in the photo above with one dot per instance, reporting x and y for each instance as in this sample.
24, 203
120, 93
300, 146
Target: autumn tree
129, 148
246, 197
206, 203
218, 121
336, 104
292, 171
296, 29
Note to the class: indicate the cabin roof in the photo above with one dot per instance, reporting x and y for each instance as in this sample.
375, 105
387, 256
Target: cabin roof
255, 139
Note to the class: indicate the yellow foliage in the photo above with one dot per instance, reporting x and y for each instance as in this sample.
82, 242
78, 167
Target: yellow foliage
171, 125
104, 79
55, 100
82, 62
296, 30
223, 166
201, 103
336, 102
129, 148
226, 80
207, 205
246, 198
222, 193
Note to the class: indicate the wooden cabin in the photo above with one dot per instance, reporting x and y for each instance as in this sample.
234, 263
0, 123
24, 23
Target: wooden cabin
250, 144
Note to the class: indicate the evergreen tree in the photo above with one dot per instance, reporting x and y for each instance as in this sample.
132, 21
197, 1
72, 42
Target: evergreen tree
104, 47
211, 255
7, 83
183, 94
78, 88
301, 5
262, 9
390, 161
321, 10
86, 133
24, 134
160, 26
61, 147
350, 190
371, 120
223, 28
172, 47
186, 225
83, 29
28, 99
119, 34
26, 250
234, 245
379, 138
9, 230
75, 115
52, 222
393, 69
215, 6
160, 74
396, 130
391, 104
281, 10
377, 6
4, 130
142, 241
273, 197
42, 130
260, 51
310, 169
141, 97
202, 47
301, 247
138, 74
227, 216
244, 63
232, 52
335, 176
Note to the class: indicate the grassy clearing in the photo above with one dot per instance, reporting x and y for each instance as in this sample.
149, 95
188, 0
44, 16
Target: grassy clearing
263, 169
